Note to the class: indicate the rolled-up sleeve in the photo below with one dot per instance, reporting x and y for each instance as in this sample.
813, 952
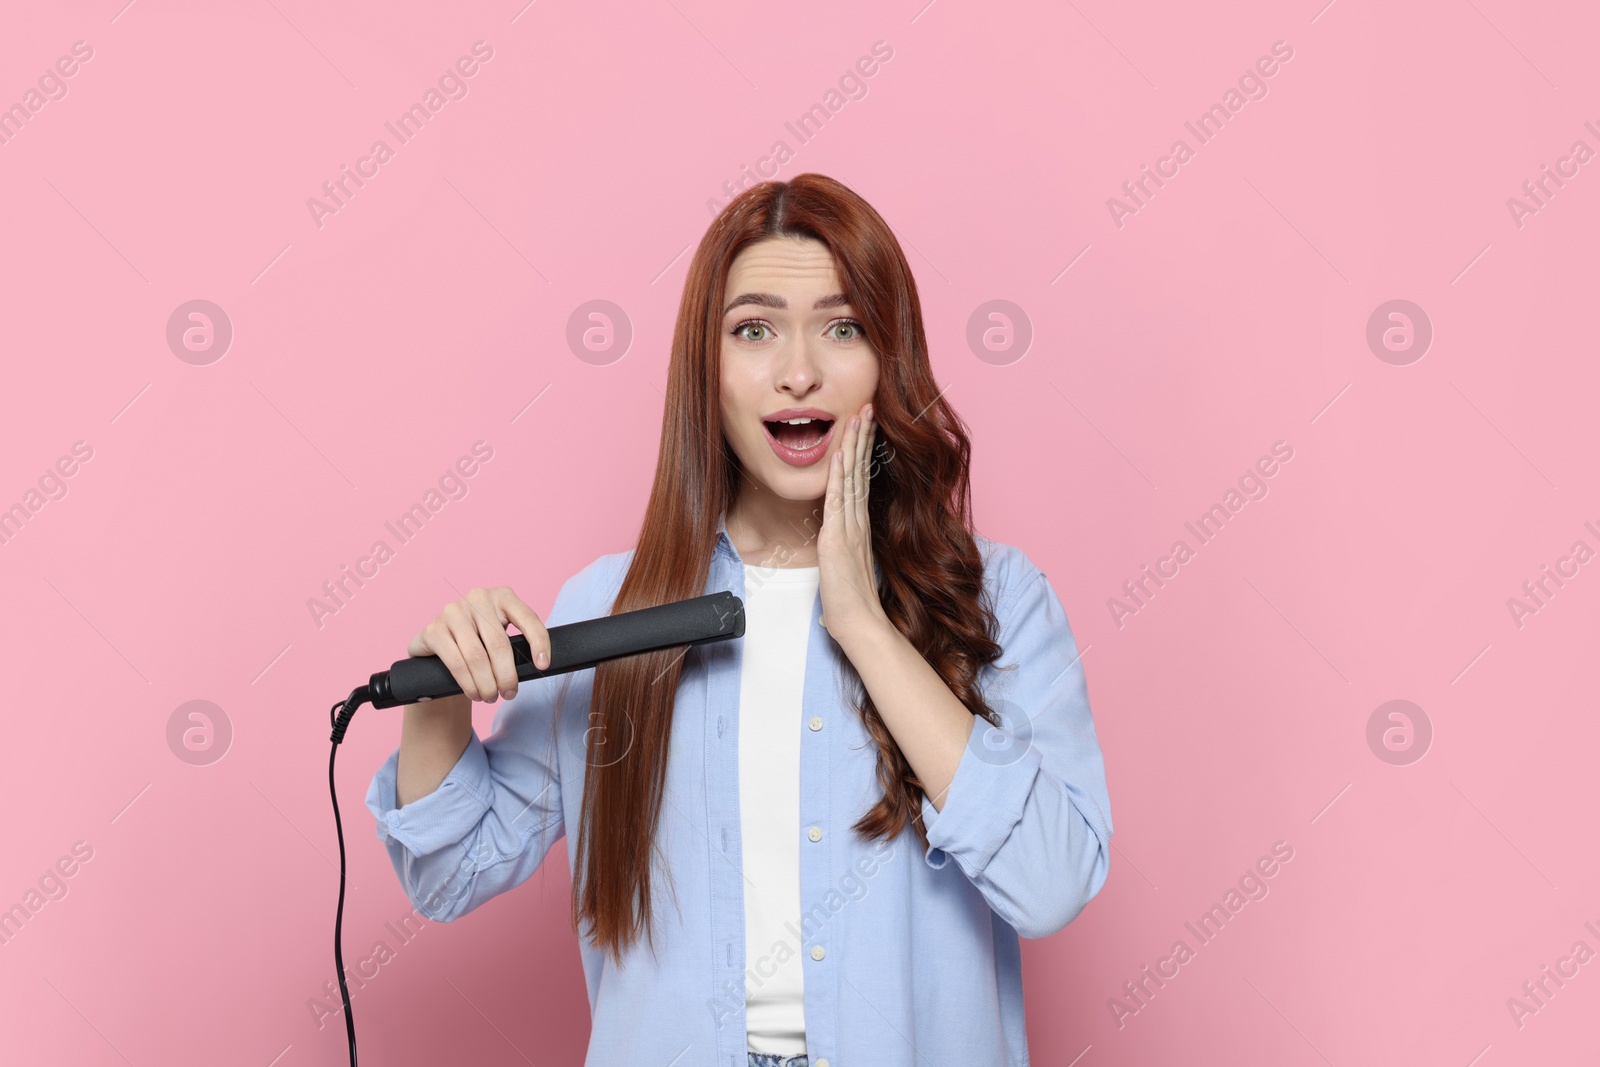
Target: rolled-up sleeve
1027, 817
490, 823
441, 818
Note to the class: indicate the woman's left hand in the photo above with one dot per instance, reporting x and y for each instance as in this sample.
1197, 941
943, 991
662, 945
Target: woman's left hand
849, 585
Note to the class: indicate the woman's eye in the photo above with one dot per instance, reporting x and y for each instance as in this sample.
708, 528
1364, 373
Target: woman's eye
760, 331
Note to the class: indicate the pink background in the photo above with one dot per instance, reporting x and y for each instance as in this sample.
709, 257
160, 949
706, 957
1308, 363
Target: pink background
1168, 354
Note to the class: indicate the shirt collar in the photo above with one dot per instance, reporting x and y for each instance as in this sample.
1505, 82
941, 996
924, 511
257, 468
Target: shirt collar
724, 545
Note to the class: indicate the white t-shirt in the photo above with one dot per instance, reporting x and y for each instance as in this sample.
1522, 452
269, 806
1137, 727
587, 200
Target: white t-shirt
778, 604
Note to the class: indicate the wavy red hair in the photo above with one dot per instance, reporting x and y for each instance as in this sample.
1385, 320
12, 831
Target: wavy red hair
920, 508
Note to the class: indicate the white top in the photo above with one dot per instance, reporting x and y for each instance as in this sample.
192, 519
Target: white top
778, 603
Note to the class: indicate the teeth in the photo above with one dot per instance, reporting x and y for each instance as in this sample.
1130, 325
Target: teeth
812, 439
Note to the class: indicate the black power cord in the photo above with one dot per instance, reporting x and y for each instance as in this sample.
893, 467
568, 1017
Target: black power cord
339, 717
574, 646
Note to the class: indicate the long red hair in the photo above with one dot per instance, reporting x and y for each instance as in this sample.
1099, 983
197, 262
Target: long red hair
920, 510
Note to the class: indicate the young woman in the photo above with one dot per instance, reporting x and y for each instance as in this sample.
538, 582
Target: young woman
761, 830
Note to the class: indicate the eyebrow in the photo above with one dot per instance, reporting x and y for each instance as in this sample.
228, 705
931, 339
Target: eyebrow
772, 300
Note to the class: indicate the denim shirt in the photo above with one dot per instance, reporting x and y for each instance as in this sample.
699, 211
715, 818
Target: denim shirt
907, 951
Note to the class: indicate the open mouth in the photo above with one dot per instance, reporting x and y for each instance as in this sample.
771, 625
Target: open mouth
799, 435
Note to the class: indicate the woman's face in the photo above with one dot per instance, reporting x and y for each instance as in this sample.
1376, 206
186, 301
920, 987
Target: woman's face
791, 348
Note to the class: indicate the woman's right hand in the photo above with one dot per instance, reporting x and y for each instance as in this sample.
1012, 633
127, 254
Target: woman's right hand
469, 636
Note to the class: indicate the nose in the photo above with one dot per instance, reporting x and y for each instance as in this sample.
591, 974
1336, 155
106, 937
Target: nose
799, 371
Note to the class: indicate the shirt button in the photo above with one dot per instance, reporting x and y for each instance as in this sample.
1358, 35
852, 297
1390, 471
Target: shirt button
816, 722
815, 833
816, 952
822, 1063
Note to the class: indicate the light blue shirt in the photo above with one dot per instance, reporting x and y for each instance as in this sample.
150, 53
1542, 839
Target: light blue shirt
907, 953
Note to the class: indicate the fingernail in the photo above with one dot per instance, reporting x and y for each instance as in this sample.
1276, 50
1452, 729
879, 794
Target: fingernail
543, 659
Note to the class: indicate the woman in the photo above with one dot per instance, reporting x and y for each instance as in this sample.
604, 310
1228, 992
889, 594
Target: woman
761, 829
